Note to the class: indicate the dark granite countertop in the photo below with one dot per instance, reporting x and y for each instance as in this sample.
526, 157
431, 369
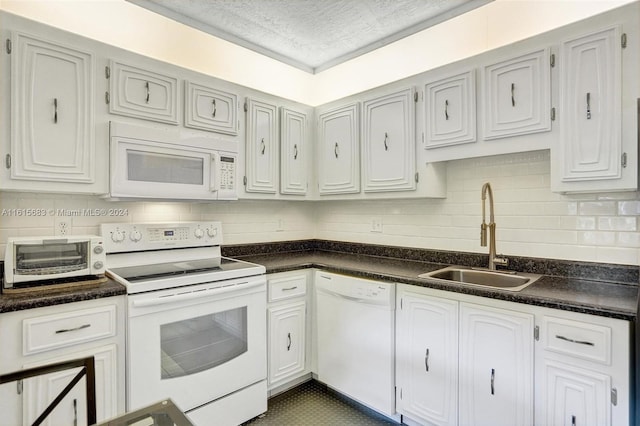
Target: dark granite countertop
611, 299
48, 297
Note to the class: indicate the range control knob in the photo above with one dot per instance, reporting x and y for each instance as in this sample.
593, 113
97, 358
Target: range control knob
135, 236
212, 232
98, 249
199, 233
98, 265
117, 236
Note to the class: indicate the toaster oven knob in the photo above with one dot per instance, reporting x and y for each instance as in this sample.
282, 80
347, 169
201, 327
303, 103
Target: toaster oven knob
199, 233
135, 235
98, 265
98, 249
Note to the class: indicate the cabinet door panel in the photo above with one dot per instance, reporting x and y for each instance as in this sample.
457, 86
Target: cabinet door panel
450, 111
210, 109
339, 155
388, 143
262, 147
427, 359
287, 325
52, 112
496, 366
141, 93
591, 144
293, 152
517, 96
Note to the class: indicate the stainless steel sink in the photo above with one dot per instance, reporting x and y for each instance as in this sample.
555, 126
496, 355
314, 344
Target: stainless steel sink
510, 281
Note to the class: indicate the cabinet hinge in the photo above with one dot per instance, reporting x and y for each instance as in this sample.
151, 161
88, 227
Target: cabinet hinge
400, 393
19, 387
417, 177
107, 98
536, 332
7, 161
8, 46
553, 114
244, 180
552, 60
415, 96
624, 160
614, 396
422, 137
401, 308
623, 40
246, 107
107, 72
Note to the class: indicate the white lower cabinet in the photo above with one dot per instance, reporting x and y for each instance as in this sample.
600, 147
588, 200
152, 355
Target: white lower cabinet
468, 360
288, 327
47, 335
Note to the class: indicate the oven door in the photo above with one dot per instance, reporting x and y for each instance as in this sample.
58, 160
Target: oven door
195, 344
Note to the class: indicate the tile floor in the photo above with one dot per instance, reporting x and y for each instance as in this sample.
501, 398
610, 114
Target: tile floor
312, 404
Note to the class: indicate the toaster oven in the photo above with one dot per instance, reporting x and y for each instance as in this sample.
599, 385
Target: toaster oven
38, 259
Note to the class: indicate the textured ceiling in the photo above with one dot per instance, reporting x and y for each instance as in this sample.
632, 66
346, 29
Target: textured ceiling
312, 35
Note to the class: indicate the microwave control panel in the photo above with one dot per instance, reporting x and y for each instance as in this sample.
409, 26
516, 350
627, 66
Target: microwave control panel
227, 173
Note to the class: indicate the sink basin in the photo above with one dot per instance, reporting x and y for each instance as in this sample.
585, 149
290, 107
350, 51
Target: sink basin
483, 278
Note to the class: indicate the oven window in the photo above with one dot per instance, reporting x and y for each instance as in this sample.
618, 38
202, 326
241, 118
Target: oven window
201, 343
155, 167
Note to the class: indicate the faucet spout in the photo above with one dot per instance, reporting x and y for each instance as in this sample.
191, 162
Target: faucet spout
491, 226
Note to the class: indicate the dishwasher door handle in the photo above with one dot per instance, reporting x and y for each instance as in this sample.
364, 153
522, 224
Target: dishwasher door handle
340, 295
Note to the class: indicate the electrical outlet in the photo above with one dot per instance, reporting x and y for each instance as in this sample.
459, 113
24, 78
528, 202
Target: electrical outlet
376, 224
62, 226
280, 225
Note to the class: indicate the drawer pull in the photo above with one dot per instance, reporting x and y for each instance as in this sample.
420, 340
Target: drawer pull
67, 330
579, 342
290, 288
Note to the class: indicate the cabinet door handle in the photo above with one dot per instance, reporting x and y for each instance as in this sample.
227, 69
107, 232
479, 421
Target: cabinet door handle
579, 342
336, 151
493, 379
426, 360
386, 136
573, 420
446, 109
262, 146
67, 330
146, 86
513, 99
55, 110
588, 106
213, 105
288, 341
75, 412
295, 151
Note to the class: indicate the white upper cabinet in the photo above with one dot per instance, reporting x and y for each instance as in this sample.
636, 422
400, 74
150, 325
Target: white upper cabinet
517, 95
210, 109
294, 162
142, 93
261, 147
592, 154
52, 144
338, 150
388, 142
450, 110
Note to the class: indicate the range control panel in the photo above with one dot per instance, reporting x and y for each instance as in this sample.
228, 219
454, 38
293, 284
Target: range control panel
124, 237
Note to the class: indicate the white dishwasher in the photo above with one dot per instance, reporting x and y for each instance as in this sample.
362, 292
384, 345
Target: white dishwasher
356, 338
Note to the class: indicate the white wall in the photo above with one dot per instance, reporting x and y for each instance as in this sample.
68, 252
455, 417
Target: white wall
126, 25
531, 220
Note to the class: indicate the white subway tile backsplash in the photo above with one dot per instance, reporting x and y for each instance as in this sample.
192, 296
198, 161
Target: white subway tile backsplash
629, 208
617, 223
585, 223
597, 238
597, 208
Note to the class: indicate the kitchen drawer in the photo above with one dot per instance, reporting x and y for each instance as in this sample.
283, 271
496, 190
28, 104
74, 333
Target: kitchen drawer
578, 339
50, 332
287, 287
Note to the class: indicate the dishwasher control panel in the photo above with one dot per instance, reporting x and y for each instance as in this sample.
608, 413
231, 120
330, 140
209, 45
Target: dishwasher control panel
356, 289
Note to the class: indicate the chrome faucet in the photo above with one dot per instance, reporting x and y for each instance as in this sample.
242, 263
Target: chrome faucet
493, 260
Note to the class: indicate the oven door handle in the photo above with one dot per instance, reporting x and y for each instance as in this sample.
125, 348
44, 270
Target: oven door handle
175, 298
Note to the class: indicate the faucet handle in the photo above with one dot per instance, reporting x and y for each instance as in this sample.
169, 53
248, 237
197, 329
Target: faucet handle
502, 261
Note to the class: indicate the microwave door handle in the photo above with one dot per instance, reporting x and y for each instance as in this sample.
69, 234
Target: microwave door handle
214, 178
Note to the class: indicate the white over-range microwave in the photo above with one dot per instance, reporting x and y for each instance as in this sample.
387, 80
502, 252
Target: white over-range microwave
160, 163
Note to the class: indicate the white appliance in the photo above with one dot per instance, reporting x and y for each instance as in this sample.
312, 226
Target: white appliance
196, 320
159, 163
34, 260
356, 339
